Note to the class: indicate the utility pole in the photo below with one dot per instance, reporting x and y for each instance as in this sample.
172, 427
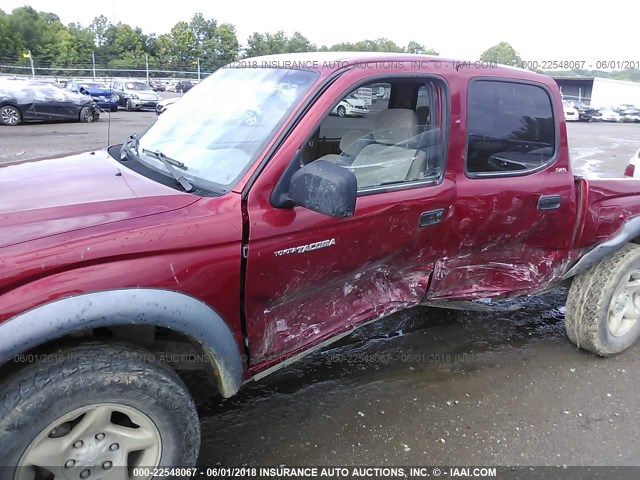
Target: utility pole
198, 68
93, 58
146, 63
33, 70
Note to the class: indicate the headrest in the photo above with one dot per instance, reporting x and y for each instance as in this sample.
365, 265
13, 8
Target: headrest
428, 138
395, 125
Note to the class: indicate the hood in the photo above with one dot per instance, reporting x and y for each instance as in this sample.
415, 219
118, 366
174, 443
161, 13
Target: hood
144, 94
46, 197
356, 102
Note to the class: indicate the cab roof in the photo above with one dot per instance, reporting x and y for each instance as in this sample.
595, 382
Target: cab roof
327, 62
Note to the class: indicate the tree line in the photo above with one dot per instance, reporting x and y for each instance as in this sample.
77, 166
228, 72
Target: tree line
203, 40
200, 42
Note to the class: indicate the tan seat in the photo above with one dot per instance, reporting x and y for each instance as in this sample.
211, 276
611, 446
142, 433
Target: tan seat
390, 158
351, 144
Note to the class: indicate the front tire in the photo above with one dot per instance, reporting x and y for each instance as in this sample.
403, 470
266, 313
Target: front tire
87, 115
129, 105
603, 305
96, 407
9, 115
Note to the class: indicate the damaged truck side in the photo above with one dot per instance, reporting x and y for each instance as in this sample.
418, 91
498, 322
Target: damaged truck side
250, 244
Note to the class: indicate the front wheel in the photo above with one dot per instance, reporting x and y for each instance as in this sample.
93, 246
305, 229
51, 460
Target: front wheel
603, 306
129, 105
9, 115
87, 115
94, 410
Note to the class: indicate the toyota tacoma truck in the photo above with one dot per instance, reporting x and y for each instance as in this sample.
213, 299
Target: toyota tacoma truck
247, 246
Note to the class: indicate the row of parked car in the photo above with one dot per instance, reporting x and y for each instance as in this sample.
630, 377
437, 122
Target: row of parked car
81, 100
177, 86
577, 111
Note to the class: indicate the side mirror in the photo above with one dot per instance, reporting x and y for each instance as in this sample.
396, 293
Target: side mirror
325, 188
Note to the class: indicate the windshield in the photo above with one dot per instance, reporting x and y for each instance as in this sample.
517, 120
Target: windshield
220, 127
137, 86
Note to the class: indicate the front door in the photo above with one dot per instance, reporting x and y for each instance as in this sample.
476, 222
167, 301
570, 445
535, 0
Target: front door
310, 276
53, 103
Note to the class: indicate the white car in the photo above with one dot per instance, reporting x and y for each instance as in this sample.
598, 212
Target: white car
633, 167
351, 106
608, 115
570, 114
134, 94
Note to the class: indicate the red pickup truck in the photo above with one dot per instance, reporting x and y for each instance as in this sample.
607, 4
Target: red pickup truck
246, 245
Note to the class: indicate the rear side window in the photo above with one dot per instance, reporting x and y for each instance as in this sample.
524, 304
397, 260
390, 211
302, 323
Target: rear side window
510, 128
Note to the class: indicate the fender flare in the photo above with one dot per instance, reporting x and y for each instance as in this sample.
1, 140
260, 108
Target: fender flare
629, 231
136, 306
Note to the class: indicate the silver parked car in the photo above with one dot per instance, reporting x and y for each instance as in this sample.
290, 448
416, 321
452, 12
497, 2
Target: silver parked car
135, 94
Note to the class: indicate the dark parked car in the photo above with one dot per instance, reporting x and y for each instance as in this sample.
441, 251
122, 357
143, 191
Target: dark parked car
23, 101
184, 86
585, 112
156, 86
99, 92
630, 115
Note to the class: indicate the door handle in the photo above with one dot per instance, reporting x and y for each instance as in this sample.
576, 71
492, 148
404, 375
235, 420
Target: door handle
549, 202
431, 217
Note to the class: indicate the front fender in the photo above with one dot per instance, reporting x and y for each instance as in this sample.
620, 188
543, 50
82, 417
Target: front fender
134, 306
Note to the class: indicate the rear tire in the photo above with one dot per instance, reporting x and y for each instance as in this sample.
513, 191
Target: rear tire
603, 305
91, 407
342, 112
114, 108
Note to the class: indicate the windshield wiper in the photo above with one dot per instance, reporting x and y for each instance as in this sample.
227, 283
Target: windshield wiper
170, 163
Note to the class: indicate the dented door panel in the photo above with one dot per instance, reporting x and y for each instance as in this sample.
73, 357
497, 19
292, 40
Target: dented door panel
506, 244
316, 276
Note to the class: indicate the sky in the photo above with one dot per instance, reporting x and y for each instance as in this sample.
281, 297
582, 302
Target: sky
540, 30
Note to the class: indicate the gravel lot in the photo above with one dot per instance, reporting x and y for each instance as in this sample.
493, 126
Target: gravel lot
432, 387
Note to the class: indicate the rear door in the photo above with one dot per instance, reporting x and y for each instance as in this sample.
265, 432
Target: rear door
516, 203
310, 276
